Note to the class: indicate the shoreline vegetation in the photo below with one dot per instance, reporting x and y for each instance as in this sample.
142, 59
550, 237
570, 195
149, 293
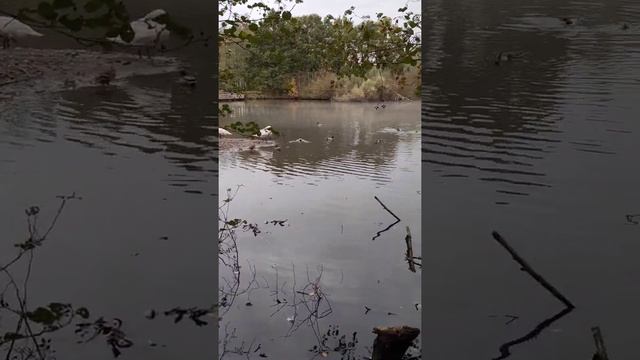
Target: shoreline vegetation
285, 57
328, 87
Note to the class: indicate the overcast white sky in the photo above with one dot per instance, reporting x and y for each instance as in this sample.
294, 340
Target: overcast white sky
363, 7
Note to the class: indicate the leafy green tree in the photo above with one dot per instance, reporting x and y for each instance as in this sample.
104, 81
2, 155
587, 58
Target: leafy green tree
91, 22
279, 48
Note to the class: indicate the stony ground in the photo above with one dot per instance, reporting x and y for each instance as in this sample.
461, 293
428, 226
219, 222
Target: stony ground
41, 70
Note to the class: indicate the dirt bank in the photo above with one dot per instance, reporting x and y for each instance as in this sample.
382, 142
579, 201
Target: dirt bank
40, 70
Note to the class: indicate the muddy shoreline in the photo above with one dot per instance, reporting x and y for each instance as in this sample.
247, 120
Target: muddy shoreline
42, 70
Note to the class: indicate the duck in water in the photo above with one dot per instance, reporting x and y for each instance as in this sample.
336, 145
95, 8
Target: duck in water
106, 77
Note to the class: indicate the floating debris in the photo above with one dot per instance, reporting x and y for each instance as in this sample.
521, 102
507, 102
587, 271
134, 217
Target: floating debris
150, 314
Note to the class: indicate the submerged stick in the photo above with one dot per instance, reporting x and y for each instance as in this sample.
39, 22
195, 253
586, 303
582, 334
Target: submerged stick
386, 208
601, 350
407, 239
529, 270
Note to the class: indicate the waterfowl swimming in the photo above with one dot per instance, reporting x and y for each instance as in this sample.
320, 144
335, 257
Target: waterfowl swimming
300, 140
504, 56
186, 79
223, 132
568, 21
106, 77
11, 29
147, 32
266, 131
330, 138
625, 26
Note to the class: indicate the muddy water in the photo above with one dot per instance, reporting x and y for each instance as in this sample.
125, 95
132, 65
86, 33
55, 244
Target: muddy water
542, 148
140, 153
325, 190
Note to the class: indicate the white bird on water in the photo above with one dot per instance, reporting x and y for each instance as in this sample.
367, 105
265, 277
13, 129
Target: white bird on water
300, 140
147, 32
11, 29
223, 132
265, 132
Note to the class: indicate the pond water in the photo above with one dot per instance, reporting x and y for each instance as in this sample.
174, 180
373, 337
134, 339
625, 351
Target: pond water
325, 190
141, 155
543, 149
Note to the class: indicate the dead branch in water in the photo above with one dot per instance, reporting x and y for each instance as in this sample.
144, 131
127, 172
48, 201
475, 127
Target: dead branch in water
505, 349
529, 270
601, 350
410, 257
386, 208
390, 225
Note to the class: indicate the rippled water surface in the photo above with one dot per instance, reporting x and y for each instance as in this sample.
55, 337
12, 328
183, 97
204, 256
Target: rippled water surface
543, 148
141, 156
325, 190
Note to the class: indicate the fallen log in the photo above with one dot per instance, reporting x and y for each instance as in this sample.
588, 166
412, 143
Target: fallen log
392, 342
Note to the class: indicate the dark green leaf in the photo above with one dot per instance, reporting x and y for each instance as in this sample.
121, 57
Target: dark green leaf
47, 11
74, 24
93, 5
42, 316
126, 33
63, 4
